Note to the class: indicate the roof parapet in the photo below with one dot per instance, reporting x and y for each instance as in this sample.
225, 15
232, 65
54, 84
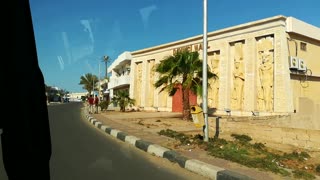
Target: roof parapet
300, 27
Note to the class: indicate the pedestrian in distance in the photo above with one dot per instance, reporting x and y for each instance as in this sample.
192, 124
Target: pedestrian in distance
90, 101
96, 104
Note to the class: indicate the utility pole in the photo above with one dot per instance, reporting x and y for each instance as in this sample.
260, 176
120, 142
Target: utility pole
205, 74
106, 60
99, 89
92, 85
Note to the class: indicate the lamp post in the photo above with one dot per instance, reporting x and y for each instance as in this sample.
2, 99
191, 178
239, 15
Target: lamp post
92, 86
204, 73
99, 89
106, 60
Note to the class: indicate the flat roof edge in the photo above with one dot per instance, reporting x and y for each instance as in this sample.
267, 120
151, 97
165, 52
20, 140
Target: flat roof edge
297, 26
213, 33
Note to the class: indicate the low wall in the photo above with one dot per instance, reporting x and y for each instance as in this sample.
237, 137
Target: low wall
265, 130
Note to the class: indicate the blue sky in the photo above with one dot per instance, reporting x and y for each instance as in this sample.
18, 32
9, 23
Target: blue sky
72, 36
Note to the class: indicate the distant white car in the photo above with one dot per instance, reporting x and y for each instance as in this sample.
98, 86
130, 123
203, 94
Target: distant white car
74, 100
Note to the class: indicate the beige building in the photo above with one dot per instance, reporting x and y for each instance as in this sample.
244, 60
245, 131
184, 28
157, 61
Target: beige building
266, 67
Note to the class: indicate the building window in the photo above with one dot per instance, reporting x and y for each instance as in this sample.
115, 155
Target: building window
303, 46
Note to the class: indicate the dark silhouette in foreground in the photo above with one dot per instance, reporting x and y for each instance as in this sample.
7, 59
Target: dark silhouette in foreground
26, 141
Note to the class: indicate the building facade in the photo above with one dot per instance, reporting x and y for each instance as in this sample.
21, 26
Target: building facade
266, 67
120, 74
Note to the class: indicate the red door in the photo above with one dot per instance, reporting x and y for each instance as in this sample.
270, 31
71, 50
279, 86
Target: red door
177, 105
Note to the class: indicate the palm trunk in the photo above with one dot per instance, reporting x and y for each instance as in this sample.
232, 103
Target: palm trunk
186, 114
122, 109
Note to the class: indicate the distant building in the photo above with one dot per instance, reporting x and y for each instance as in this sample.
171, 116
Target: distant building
77, 95
102, 85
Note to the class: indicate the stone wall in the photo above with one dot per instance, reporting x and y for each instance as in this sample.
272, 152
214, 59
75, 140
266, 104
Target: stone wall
266, 130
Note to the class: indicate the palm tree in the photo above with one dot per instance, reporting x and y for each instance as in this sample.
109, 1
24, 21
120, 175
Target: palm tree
122, 98
181, 70
106, 59
89, 82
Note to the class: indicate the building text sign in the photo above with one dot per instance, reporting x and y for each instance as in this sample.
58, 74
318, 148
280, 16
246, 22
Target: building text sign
193, 47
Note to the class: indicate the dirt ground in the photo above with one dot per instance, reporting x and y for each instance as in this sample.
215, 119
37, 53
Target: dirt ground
154, 123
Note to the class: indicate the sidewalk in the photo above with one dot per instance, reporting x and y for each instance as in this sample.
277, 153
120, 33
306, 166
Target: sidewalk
141, 130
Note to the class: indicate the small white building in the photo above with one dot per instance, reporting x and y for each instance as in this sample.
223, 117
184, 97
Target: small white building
76, 96
120, 73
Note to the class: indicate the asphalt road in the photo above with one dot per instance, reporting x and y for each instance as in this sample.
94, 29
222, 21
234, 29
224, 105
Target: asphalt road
82, 152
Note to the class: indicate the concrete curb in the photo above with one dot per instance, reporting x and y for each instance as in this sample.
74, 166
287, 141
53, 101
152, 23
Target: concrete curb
196, 166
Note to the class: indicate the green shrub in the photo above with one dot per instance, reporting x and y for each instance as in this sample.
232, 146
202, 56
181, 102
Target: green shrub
296, 156
104, 105
255, 155
184, 139
318, 168
242, 138
258, 146
302, 175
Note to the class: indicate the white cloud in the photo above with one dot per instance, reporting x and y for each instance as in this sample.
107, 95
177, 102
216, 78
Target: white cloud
87, 28
67, 46
61, 62
145, 14
82, 52
89, 67
116, 32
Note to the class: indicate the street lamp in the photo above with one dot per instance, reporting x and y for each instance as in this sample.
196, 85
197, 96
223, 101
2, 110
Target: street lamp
204, 73
106, 59
92, 85
99, 80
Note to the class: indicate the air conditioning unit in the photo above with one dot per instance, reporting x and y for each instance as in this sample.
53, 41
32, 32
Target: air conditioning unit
293, 62
302, 65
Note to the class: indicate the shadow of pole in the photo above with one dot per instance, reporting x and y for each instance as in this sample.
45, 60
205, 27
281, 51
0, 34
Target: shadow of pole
216, 135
